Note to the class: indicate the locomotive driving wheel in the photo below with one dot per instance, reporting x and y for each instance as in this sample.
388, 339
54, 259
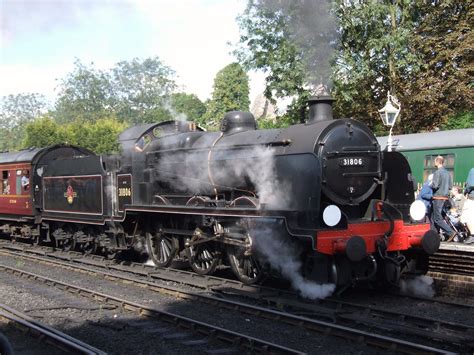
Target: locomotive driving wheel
203, 258
161, 247
244, 265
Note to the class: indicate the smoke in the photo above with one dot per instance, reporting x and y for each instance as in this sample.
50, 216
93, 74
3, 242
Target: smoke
313, 30
260, 170
177, 116
419, 286
251, 170
284, 258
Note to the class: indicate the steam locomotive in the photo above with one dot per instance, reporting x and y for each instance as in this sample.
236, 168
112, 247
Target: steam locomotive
223, 198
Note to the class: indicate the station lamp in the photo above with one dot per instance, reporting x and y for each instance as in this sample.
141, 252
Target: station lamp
389, 114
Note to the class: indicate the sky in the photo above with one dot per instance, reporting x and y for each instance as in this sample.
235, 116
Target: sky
41, 39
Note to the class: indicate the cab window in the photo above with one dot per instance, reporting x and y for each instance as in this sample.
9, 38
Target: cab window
142, 143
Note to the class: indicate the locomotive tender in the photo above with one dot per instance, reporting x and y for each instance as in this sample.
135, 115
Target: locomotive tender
208, 197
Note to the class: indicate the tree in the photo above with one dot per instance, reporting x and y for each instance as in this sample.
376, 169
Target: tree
43, 132
370, 55
100, 136
188, 105
265, 44
373, 56
459, 121
15, 112
231, 93
86, 93
134, 91
142, 88
441, 94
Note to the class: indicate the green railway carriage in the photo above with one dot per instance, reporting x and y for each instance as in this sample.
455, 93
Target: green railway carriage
456, 146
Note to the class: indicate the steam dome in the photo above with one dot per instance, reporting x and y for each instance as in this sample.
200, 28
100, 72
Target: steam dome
238, 121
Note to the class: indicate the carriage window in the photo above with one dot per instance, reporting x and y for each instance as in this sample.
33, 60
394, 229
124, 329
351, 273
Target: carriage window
22, 180
5, 184
429, 167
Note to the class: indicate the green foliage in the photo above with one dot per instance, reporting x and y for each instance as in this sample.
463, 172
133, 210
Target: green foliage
442, 90
99, 136
460, 120
142, 88
85, 94
265, 44
231, 93
15, 112
43, 132
282, 122
188, 105
373, 55
134, 91
419, 51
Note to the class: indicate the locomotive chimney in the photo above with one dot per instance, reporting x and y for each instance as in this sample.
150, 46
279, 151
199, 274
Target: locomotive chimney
320, 108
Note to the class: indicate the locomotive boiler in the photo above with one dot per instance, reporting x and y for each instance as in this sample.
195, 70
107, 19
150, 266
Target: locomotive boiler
221, 198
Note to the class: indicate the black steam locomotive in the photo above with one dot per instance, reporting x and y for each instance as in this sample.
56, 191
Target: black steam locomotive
324, 187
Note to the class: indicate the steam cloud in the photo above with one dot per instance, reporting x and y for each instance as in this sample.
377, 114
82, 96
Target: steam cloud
284, 258
313, 29
261, 172
419, 286
188, 172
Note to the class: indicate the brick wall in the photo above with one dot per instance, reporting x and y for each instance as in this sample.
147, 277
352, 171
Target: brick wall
453, 286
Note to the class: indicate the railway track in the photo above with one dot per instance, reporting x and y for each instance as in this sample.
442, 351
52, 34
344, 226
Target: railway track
338, 315
47, 334
236, 341
179, 276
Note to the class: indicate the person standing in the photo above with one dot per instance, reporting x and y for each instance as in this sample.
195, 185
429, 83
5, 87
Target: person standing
442, 184
467, 214
426, 196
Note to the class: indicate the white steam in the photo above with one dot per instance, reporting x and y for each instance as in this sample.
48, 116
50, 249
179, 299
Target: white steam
260, 169
284, 258
256, 165
312, 28
419, 286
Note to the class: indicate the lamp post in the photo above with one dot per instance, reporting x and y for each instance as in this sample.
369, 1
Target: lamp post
389, 114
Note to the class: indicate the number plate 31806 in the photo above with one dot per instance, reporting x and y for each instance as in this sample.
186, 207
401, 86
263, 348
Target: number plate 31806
351, 162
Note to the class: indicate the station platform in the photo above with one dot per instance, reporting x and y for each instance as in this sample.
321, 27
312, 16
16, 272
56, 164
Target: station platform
457, 246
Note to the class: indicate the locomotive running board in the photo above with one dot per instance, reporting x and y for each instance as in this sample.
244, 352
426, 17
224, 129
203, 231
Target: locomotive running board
196, 210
